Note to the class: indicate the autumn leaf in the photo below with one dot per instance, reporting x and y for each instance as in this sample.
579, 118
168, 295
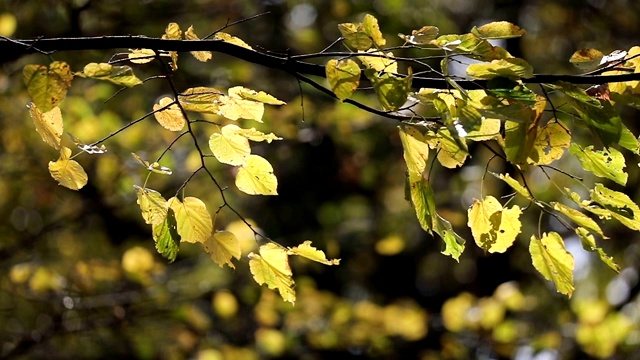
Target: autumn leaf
416, 150
271, 267
171, 118
193, 221
259, 96
48, 124
47, 86
229, 147
119, 75
553, 261
498, 30
222, 246
166, 237
152, 204
68, 172
306, 250
203, 56
494, 228
256, 177
343, 77
608, 162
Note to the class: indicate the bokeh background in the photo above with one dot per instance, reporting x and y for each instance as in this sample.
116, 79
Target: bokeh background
80, 275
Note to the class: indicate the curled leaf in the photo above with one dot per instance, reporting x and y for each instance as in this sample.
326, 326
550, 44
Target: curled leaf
68, 172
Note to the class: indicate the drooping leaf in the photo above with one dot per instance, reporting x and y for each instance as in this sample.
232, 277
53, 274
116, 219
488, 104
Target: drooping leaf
259, 96
153, 206
520, 130
511, 68
421, 36
47, 87
200, 99
67, 172
203, 56
453, 243
515, 185
171, 118
343, 77
193, 221
354, 36
498, 30
173, 32
141, 56
550, 143
154, 166
231, 39
608, 162
234, 107
416, 150
553, 261
371, 28
578, 218
489, 130
589, 244
618, 204
255, 135
306, 250
256, 177
271, 267
48, 124
587, 59
452, 150
166, 237
119, 75
379, 62
222, 246
392, 91
471, 45
493, 227
229, 147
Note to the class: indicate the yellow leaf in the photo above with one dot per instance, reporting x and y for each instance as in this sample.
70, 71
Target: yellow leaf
515, 185
203, 56
170, 118
354, 36
173, 32
371, 28
222, 246
416, 150
152, 204
451, 153
589, 244
380, 62
553, 261
259, 96
578, 218
271, 267
489, 129
549, 145
68, 172
119, 75
231, 39
141, 56
586, 59
193, 221
47, 87
48, 124
201, 99
306, 250
229, 147
343, 76
255, 135
513, 68
256, 177
617, 204
494, 228
421, 36
234, 108
498, 30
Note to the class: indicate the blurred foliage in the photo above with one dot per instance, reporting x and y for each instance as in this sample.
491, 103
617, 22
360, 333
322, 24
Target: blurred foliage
81, 278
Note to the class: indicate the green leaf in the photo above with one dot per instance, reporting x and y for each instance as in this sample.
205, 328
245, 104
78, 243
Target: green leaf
355, 37
472, 46
166, 237
259, 96
47, 87
453, 243
256, 177
48, 125
553, 261
119, 75
229, 147
153, 206
628, 140
343, 77
608, 163
307, 251
452, 150
222, 246
512, 68
505, 88
416, 150
194, 223
200, 99
67, 172
521, 130
587, 59
371, 28
271, 267
421, 36
578, 218
589, 244
498, 30
550, 143
619, 206
493, 227
515, 185
392, 91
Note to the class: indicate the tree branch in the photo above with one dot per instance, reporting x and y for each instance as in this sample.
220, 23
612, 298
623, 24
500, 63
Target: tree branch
19, 48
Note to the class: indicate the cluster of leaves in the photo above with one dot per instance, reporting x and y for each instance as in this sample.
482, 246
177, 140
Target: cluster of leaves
508, 113
178, 219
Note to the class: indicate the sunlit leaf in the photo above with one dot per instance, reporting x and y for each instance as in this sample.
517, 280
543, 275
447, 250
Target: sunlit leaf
421, 36
619, 205
166, 237
119, 75
154, 166
589, 244
89, 149
306, 250
586, 59
498, 30
472, 46
489, 130
173, 32
380, 62
521, 130
141, 56
578, 218
512, 68
231, 39
608, 162
550, 143
392, 91
453, 243
222, 246
193, 221
494, 228
171, 118
256, 177
48, 124
259, 96
255, 135
234, 108
452, 152
343, 77
355, 37
68, 172
271, 267
553, 261
416, 150
152, 204
515, 185
47, 87
200, 99
203, 56
229, 147
371, 28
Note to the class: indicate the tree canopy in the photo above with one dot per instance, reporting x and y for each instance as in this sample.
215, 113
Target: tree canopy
469, 197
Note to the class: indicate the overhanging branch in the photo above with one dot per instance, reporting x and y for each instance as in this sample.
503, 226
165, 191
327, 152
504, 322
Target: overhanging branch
24, 47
